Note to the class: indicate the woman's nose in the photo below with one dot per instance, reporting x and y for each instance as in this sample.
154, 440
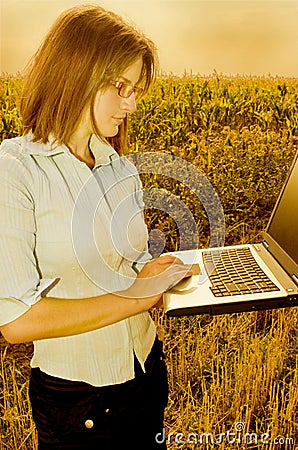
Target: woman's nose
129, 104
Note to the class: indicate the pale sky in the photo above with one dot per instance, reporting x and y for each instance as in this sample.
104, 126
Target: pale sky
244, 37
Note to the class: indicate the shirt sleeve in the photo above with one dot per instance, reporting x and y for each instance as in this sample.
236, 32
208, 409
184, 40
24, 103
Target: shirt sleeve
21, 284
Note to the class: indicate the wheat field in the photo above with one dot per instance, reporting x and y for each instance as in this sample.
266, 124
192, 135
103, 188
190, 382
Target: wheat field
233, 378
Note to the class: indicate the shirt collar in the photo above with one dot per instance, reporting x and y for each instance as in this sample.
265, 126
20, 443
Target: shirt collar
103, 152
51, 148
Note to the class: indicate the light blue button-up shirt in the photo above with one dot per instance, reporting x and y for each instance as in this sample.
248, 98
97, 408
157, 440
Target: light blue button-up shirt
74, 233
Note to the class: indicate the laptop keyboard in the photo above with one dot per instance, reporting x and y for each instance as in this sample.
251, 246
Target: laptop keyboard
235, 272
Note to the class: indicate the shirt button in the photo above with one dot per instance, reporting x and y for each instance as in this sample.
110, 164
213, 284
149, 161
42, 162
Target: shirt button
89, 423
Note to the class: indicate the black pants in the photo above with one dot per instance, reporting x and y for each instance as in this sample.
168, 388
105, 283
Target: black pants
72, 415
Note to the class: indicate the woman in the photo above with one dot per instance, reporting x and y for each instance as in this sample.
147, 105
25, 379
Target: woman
72, 230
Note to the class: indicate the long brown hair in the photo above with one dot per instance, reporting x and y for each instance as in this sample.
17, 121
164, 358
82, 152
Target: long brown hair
86, 47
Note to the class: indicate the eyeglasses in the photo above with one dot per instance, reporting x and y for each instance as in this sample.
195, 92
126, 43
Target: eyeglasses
125, 90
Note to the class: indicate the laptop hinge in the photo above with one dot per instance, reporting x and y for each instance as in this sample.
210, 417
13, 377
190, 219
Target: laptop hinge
295, 278
266, 244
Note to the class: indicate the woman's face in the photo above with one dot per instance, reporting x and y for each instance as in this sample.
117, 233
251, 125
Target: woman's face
110, 109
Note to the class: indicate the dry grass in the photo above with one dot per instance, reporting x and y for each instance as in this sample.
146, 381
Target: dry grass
235, 368
16, 425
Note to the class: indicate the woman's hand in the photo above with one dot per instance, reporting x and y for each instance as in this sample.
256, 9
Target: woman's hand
156, 277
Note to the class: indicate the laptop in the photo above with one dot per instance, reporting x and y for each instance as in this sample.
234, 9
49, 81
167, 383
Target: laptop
245, 277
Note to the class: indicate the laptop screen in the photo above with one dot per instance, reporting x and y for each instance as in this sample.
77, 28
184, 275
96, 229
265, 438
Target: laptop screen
283, 225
